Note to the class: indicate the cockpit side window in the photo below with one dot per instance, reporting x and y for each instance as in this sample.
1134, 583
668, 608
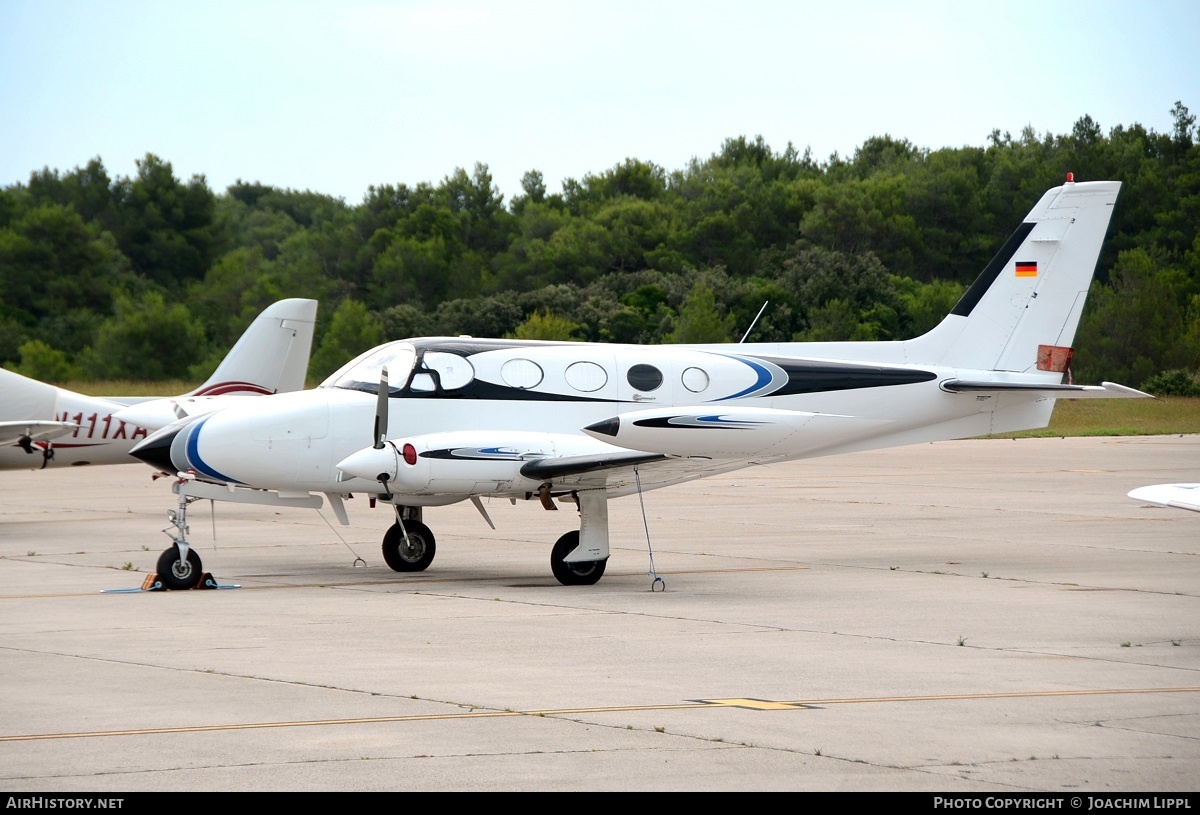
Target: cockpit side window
439, 370
362, 374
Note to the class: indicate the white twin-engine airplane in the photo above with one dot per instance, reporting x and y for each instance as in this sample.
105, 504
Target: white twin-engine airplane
1180, 496
46, 426
429, 422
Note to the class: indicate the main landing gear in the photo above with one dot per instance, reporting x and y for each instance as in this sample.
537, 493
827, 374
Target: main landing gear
583, 573
409, 545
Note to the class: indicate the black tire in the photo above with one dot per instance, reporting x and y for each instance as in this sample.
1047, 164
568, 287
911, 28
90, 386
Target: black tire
415, 557
179, 574
585, 573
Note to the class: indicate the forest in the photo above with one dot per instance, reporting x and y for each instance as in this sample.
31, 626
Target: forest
153, 277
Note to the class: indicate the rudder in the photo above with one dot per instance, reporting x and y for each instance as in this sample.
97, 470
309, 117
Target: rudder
1032, 292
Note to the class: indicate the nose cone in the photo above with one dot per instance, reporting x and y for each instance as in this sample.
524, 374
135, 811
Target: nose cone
608, 427
371, 463
155, 449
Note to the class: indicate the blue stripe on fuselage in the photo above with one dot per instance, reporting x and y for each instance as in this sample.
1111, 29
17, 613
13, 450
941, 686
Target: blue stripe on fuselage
762, 373
716, 418
193, 455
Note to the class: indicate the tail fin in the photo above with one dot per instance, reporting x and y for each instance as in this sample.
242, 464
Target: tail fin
1032, 293
271, 356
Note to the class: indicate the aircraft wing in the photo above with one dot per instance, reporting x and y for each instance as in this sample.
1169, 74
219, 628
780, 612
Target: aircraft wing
1180, 496
624, 472
12, 432
1106, 390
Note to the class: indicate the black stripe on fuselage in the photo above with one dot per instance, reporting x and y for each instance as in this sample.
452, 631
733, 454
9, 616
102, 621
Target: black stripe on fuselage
990, 272
812, 376
804, 376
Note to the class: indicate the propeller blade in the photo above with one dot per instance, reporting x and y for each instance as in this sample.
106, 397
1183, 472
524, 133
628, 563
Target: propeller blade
381, 411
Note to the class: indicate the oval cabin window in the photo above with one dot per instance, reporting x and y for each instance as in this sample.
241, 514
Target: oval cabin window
695, 380
644, 377
521, 373
586, 376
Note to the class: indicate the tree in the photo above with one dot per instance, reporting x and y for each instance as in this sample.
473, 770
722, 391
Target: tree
1184, 123
57, 269
1135, 327
145, 339
700, 320
352, 330
545, 325
40, 361
166, 229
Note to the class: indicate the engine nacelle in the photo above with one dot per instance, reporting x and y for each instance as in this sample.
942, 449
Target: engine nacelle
469, 462
726, 431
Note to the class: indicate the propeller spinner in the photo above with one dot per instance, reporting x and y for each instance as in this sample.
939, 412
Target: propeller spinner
377, 462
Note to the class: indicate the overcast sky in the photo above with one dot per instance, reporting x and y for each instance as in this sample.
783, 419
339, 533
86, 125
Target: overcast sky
337, 96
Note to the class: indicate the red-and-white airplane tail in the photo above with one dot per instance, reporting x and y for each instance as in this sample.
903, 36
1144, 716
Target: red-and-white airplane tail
43, 425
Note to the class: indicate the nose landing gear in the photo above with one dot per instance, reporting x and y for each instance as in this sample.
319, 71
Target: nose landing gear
179, 567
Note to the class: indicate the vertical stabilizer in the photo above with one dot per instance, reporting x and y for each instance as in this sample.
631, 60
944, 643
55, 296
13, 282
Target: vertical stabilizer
1032, 292
271, 356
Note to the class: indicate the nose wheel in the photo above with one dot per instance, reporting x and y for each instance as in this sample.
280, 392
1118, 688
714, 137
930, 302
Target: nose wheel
177, 572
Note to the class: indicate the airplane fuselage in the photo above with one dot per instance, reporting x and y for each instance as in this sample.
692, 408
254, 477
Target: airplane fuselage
100, 435
465, 406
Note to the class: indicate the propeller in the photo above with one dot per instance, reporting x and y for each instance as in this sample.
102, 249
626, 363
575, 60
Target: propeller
381, 421
381, 411
379, 461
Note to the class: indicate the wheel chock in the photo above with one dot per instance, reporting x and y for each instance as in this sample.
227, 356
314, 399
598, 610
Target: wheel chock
210, 582
152, 583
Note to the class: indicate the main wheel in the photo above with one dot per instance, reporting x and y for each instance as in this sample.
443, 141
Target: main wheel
179, 574
413, 557
584, 573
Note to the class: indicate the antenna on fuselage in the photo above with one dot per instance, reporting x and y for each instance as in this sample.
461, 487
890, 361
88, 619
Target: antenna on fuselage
754, 322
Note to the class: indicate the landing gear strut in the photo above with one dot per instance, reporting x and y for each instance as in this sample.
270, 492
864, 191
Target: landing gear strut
179, 566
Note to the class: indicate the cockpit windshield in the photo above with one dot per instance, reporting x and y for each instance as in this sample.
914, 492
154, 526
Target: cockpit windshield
362, 374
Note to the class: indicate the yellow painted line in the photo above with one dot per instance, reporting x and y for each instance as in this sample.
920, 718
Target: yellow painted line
758, 704
694, 704
753, 704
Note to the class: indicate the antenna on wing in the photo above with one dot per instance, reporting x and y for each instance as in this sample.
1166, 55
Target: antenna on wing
754, 322
381, 411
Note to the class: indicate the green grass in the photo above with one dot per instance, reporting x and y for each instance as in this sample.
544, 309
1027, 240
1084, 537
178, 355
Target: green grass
1169, 415
1084, 417
130, 387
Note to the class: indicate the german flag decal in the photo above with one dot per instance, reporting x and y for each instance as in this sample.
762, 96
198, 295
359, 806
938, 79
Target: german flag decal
1026, 268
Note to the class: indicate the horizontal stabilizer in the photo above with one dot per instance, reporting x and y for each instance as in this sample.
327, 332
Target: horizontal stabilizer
1106, 390
1180, 496
12, 432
